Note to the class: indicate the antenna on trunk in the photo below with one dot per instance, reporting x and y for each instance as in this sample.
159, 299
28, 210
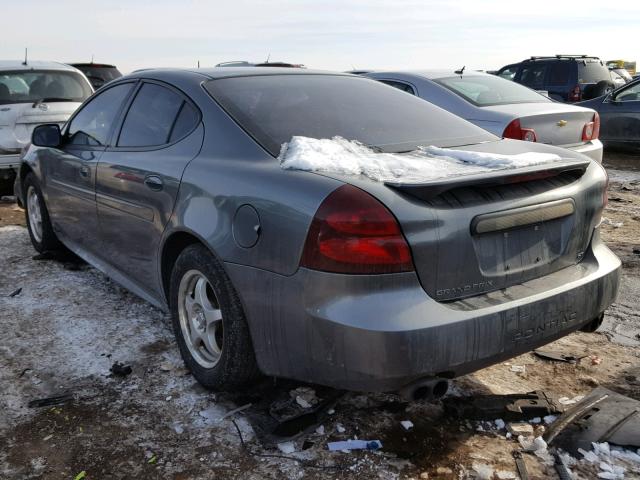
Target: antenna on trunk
198, 63
461, 71
25, 56
92, 58
268, 57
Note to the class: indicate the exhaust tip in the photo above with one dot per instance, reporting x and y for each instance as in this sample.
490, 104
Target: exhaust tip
425, 389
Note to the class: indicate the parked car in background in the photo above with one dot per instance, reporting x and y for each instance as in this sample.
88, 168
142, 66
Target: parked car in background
32, 94
619, 116
322, 277
243, 63
628, 66
502, 107
623, 73
98, 73
617, 79
567, 78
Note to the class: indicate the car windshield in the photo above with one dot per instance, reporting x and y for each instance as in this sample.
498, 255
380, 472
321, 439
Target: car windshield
274, 108
42, 85
485, 90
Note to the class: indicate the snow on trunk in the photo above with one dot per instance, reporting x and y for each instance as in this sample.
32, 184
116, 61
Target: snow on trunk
337, 155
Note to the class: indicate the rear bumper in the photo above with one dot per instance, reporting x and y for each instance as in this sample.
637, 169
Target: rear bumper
379, 333
592, 149
10, 161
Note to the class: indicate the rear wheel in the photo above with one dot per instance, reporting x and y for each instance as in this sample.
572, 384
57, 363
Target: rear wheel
209, 322
39, 225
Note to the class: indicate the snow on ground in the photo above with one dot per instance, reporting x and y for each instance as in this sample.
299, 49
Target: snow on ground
341, 156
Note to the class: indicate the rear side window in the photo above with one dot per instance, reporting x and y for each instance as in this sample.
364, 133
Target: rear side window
592, 72
92, 125
533, 75
508, 72
560, 73
156, 117
400, 86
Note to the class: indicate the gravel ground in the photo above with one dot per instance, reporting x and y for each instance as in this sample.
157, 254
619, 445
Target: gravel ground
67, 326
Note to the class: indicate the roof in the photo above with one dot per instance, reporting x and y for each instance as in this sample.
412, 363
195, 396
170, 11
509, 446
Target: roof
229, 72
431, 74
35, 65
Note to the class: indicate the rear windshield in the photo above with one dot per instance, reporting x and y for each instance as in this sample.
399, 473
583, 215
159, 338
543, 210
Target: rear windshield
104, 73
488, 90
42, 85
274, 108
592, 72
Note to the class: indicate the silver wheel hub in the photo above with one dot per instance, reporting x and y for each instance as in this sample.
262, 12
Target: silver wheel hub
200, 319
34, 213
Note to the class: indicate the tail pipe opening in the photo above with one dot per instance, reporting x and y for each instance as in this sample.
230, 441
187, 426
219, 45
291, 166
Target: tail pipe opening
425, 389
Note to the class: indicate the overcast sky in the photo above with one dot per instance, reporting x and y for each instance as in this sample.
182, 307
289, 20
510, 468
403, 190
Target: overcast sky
329, 34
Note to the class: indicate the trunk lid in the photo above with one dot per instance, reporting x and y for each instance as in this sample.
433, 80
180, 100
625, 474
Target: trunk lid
553, 123
17, 120
479, 233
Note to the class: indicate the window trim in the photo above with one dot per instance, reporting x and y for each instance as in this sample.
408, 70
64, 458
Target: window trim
113, 143
116, 121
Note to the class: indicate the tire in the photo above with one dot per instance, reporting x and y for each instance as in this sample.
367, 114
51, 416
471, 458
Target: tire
43, 238
601, 88
209, 323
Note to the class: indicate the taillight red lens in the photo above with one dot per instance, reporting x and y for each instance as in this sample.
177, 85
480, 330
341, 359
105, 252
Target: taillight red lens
352, 232
591, 130
514, 130
575, 95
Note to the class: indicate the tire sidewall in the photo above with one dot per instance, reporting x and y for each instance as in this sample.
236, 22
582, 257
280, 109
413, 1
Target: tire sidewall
49, 241
236, 365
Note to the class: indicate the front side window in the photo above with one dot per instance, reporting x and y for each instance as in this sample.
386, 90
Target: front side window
92, 125
508, 72
485, 90
42, 85
274, 108
631, 94
157, 116
533, 75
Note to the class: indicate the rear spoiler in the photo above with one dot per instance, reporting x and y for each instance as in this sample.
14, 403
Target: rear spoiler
430, 189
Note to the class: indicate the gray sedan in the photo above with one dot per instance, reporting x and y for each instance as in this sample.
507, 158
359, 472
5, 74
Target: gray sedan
169, 182
506, 109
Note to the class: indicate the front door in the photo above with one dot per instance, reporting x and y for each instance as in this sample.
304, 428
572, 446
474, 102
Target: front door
138, 179
620, 116
70, 171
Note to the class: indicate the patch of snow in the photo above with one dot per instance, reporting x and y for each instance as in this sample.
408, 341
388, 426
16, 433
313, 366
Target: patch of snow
483, 471
407, 424
341, 156
287, 447
548, 419
500, 425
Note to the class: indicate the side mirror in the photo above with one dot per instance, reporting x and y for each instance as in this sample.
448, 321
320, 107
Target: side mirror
47, 135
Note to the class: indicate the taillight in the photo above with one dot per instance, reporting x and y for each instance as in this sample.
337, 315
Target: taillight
591, 130
514, 130
575, 95
352, 232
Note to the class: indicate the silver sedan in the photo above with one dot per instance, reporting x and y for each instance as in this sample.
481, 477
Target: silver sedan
504, 108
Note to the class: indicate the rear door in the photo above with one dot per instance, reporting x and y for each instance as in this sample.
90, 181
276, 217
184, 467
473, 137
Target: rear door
139, 175
70, 171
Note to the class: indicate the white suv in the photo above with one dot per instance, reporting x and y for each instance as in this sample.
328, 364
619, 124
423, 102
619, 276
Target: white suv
32, 94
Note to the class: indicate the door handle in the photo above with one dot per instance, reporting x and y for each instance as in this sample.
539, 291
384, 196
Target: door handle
84, 172
154, 182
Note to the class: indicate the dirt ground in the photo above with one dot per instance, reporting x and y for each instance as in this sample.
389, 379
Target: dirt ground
64, 329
